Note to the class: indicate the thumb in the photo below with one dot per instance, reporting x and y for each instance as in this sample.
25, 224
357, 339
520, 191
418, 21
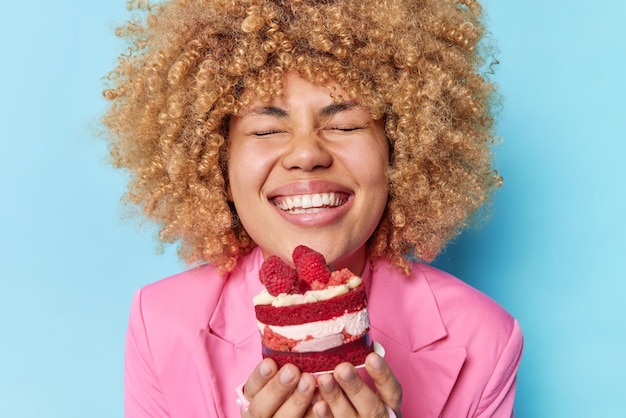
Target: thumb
388, 387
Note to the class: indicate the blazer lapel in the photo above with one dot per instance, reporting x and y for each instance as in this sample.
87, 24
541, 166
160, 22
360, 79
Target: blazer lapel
229, 345
408, 324
226, 365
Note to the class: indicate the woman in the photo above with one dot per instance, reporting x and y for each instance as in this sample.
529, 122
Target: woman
225, 113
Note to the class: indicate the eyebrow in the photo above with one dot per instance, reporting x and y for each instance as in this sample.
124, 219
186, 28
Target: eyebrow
324, 112
335, 108
274, 111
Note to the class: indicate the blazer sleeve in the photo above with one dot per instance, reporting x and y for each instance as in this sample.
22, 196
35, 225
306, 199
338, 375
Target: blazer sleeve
499, 394
143, 397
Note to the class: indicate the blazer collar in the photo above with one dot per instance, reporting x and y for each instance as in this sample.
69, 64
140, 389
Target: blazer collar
232, 318
403, 307
230, 302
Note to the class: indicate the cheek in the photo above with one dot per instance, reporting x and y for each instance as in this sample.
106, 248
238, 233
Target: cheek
248, 169
236, 172
371, 167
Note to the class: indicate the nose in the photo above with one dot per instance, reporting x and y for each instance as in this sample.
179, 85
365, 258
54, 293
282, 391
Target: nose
307, 152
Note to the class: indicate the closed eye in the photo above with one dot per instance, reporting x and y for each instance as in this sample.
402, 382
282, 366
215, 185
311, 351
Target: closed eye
345, 128
266, 133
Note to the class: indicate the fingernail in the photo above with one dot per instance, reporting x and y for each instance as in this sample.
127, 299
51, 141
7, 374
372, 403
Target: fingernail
303, 386
346, 373
376, 362
265, 370
286, 376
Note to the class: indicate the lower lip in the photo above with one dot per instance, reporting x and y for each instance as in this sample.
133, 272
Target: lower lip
322, 217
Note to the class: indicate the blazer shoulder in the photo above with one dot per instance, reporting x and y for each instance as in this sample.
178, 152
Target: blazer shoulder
181, 300
466, 309
186, 283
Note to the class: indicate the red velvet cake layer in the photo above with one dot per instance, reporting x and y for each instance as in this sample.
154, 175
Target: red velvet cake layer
354, 352
354, 300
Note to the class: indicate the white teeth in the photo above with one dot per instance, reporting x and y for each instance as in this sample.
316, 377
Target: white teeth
299, 203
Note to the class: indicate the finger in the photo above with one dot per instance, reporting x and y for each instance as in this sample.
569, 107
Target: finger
275, 392
309, 412
264, 371
388, 387
360, 396
334, 400
321, 410
299, 402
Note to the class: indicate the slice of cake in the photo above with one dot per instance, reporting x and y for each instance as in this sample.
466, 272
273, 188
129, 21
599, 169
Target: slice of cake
310, 316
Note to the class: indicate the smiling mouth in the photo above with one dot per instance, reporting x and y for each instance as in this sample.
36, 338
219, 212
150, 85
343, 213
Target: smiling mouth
310, 203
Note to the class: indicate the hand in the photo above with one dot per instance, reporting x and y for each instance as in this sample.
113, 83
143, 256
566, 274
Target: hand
278, 393
345, 394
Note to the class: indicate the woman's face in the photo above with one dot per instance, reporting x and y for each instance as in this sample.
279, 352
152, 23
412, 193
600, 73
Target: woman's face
306, 169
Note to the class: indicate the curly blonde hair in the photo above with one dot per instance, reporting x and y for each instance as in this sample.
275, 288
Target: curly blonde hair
414, 63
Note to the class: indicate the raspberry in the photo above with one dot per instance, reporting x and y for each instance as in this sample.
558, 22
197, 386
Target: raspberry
311, 267
340, 277
299, 251
277, 276
301, 287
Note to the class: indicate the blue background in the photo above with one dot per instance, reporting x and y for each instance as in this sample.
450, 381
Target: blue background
552, 252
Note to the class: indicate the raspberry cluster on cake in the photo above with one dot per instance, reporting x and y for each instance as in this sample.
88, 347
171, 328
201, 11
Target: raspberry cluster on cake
311, 316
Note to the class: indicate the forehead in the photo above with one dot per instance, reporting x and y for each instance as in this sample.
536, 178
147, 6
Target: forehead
293, 90
296, 95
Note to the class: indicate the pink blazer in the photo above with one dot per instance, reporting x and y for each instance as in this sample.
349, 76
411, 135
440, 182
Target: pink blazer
193, 337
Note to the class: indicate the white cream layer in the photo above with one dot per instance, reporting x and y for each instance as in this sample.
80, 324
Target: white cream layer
311, 296
319, 344
323, 335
